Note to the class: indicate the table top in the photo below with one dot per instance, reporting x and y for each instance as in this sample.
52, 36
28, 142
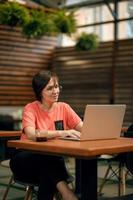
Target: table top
10, 133
78, 149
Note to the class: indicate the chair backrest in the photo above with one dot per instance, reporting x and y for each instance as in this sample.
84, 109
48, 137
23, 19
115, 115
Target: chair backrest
129, 132
129, 156
6, 122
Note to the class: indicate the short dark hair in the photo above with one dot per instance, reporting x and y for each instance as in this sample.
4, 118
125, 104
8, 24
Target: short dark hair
40, 80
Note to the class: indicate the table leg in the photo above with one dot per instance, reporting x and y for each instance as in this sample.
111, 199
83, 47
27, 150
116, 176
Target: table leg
86, 179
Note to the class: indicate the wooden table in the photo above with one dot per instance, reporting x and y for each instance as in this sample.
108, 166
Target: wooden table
85, 151
10, 133
4, 136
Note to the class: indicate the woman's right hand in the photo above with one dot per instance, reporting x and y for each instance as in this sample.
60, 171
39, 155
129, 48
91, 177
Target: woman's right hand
70, 133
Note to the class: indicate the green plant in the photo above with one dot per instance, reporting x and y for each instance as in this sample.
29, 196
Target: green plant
65, 22
39, 25
36, 23
13, 14
87, 41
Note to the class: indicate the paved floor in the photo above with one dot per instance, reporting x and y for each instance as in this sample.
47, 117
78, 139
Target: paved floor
110, 189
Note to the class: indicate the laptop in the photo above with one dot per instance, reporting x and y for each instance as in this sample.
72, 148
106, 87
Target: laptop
101, 122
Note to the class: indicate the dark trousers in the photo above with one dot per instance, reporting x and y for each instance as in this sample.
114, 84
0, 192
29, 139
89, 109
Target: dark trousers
45, 171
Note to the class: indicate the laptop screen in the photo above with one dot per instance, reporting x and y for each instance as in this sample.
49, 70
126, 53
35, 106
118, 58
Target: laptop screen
102, 121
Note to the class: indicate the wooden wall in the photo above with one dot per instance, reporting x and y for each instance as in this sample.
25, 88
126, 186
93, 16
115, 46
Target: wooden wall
97, 77
124, 78
20, 59
87, 77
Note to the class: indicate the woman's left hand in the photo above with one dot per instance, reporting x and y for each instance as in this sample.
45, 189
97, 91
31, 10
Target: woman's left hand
74, 133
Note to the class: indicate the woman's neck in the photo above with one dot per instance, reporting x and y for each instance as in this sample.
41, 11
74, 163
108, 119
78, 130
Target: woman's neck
47, 106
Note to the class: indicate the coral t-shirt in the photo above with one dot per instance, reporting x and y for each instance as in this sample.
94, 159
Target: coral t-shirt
62, 117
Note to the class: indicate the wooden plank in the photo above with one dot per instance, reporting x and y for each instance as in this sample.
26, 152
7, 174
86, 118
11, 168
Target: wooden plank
89, 75
20, 59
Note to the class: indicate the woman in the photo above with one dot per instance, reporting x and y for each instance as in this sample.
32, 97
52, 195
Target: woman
46, 118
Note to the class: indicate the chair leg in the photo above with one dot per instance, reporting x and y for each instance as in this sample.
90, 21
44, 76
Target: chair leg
7, 188
28, 194
120, 174
122, 180
104, 180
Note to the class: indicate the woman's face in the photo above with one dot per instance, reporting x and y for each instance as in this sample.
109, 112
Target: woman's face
50, 93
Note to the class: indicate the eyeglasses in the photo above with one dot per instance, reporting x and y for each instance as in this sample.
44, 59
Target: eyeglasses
51, 88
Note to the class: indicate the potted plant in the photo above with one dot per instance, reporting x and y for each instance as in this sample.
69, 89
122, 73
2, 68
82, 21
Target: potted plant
65, 22
87, 41
13, 14
39, 25
36, 23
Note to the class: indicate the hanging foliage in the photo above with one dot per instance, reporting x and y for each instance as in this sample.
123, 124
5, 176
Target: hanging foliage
36, 23
13, 14
39, 25
65, 22
87, 41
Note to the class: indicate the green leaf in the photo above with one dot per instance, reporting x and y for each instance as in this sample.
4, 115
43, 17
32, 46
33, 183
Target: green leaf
87, 41
13, 14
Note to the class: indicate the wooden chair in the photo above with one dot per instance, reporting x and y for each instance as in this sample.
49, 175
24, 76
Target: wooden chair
30, 190
125, 167
29, 187
117, 171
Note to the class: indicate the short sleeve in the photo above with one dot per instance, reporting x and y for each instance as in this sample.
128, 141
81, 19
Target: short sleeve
28, 117
72, 118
